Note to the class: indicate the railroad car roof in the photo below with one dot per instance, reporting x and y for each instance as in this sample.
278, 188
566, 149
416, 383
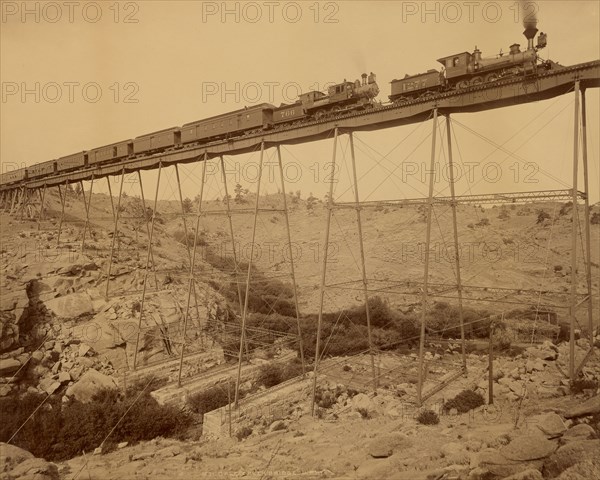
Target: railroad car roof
260, 106
407, 76
112, 144
172, 129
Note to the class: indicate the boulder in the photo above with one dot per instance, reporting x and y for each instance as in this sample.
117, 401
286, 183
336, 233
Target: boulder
529, 474
589, 407
581, 471
528, 447
498, 465
550, 424
19, 464
70, 306
9, 366
578, 432
384, 446
363, 402
570, 454
13, 311
90, 383
35, 469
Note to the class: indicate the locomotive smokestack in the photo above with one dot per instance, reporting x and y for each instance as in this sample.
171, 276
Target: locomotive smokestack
529, 23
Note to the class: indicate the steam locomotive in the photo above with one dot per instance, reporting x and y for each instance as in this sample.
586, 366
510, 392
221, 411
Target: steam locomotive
466, 69
340, 98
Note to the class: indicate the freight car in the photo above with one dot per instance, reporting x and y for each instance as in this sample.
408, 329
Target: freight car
71, 162
248, 119
156, 141
13, 176
109, 153
41, 169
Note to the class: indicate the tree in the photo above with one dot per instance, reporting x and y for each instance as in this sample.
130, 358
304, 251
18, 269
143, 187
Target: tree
542, 216
310, 204
240, 194
188, 206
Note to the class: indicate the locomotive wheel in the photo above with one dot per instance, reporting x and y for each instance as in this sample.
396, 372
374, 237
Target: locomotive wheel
492, 77
462, 84
319, 115
476, 81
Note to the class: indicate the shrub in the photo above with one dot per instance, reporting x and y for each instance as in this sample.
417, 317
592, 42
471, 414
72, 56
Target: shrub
595, 218
579, 385
58, 432
484, 222
542, 216
243, 433
465, 401
208, 400
271, 374
428, 417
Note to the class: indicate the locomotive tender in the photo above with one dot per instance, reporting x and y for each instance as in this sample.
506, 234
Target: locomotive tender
459, 71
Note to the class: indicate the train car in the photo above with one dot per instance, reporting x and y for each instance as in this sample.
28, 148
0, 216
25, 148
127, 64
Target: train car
41, 169
254, 117
414, 86
13, 176
71, 162
162, 139
289, 113
114, 151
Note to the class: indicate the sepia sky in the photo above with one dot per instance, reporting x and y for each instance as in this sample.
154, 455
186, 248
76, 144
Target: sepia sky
78, 75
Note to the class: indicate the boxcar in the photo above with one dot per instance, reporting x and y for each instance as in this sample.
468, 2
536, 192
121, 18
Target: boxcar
13, 176
257, 116
41, 169
157, 140
413, 85
70, 162
114, 151
288, 113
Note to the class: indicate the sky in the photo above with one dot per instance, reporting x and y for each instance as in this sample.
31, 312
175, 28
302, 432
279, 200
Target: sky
78, 75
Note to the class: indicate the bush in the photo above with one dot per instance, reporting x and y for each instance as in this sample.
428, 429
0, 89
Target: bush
243, 433
58, 432
542, 216
465, 401
579, 385
272, 374
208, 400
428, 417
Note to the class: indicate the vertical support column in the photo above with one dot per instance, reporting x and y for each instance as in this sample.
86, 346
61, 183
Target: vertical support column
13, 200
185, 231
245, 310
292, 269
115, 232
42, 198
235, 263
147, 226
86, 204
148, 255
425, 295
63, 201
586, 223
574, 230
456, 245
191, 280
362, 262
24, 198
110, 195
324, 272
